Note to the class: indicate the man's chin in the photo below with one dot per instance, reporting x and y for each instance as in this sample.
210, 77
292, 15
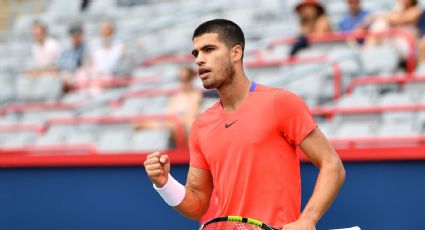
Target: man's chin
208, 85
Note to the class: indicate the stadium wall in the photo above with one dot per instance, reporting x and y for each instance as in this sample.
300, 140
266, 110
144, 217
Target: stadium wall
376, 195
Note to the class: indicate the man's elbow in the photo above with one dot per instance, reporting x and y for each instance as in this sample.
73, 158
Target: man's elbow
339, 170
336, 167
341, 173
196, 216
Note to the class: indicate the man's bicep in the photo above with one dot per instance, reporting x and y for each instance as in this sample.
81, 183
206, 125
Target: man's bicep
199, 180
317, 148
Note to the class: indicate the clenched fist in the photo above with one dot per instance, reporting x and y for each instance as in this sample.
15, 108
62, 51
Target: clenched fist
157, 167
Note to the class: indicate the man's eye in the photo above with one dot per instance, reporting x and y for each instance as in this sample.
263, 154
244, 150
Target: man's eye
209, 49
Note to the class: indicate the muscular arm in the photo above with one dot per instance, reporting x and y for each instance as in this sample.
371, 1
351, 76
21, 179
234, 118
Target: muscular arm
197, 192
330, 178
198, 187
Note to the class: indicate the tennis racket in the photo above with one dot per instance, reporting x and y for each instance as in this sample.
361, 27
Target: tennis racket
234, 223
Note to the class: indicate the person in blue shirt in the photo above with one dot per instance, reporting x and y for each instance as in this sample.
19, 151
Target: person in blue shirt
354, 18
73, 58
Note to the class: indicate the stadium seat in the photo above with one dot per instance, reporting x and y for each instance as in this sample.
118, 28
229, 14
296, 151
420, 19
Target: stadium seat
375, 64
18, 139
356, 100
150, 140
114, 141
400, 98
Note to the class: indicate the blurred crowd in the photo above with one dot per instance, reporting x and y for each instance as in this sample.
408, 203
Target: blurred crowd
405, 14
106, 56
82, 60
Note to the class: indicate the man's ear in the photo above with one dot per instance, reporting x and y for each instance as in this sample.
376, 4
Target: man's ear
237, 53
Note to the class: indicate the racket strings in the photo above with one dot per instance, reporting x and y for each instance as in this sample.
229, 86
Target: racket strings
230, 226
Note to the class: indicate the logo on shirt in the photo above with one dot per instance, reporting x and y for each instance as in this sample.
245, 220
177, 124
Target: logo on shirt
227, 125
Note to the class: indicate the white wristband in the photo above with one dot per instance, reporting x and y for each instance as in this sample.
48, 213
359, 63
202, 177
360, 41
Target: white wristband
172, 192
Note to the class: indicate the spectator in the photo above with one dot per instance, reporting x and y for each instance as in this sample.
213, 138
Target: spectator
404, 15
106, 53
313, 21
45, 51
185, 105
72, 58
421, 45
313, 18
354, 18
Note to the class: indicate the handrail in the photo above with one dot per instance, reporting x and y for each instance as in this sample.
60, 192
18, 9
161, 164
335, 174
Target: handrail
346, 36
21, 127
42, 129
112, 81
180, 137
25, 107
163, 59
181, 156
396, 79
51, 149
332, 110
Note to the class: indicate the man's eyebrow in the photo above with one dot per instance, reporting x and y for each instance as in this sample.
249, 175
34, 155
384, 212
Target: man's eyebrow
195, 52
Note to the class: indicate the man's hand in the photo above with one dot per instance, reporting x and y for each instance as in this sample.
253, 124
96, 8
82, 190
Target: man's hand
300, 224
157, 167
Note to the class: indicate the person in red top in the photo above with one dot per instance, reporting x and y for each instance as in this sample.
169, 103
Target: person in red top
244, 146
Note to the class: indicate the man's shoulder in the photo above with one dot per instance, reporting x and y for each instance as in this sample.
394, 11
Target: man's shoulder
277, 95
263, 90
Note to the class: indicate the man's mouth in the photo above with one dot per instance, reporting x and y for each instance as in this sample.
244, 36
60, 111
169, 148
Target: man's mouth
203, 72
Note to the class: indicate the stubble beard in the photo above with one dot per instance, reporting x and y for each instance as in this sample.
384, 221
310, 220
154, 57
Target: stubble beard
222, 78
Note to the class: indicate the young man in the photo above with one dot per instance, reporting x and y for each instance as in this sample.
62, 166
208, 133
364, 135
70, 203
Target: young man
244, 146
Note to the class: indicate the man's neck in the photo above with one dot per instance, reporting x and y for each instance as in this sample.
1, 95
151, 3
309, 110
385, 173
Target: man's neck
42, 41
355, 13
233, 94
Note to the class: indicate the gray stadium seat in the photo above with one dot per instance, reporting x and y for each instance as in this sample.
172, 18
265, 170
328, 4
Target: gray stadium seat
396, 99
113, 142
391, 128
80, 138
355, 100
132, 106
415, 88
356, 129
375, 64
19, 139
10, 119
150, 140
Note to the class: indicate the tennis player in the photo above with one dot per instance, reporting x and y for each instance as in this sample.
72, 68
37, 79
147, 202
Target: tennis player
244, 146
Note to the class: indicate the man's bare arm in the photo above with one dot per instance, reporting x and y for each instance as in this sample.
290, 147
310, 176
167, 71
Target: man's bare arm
329, 181
197, 192
198, 187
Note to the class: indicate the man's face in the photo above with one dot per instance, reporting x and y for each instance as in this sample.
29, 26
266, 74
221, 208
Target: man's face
106, 30
308, 12
77, 39
38, 33
354, 6
213, 59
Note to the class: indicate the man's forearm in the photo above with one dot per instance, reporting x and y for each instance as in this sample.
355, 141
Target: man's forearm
194, 204
329, 181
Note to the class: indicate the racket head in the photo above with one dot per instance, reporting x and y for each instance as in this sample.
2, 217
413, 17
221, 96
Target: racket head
235, 223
